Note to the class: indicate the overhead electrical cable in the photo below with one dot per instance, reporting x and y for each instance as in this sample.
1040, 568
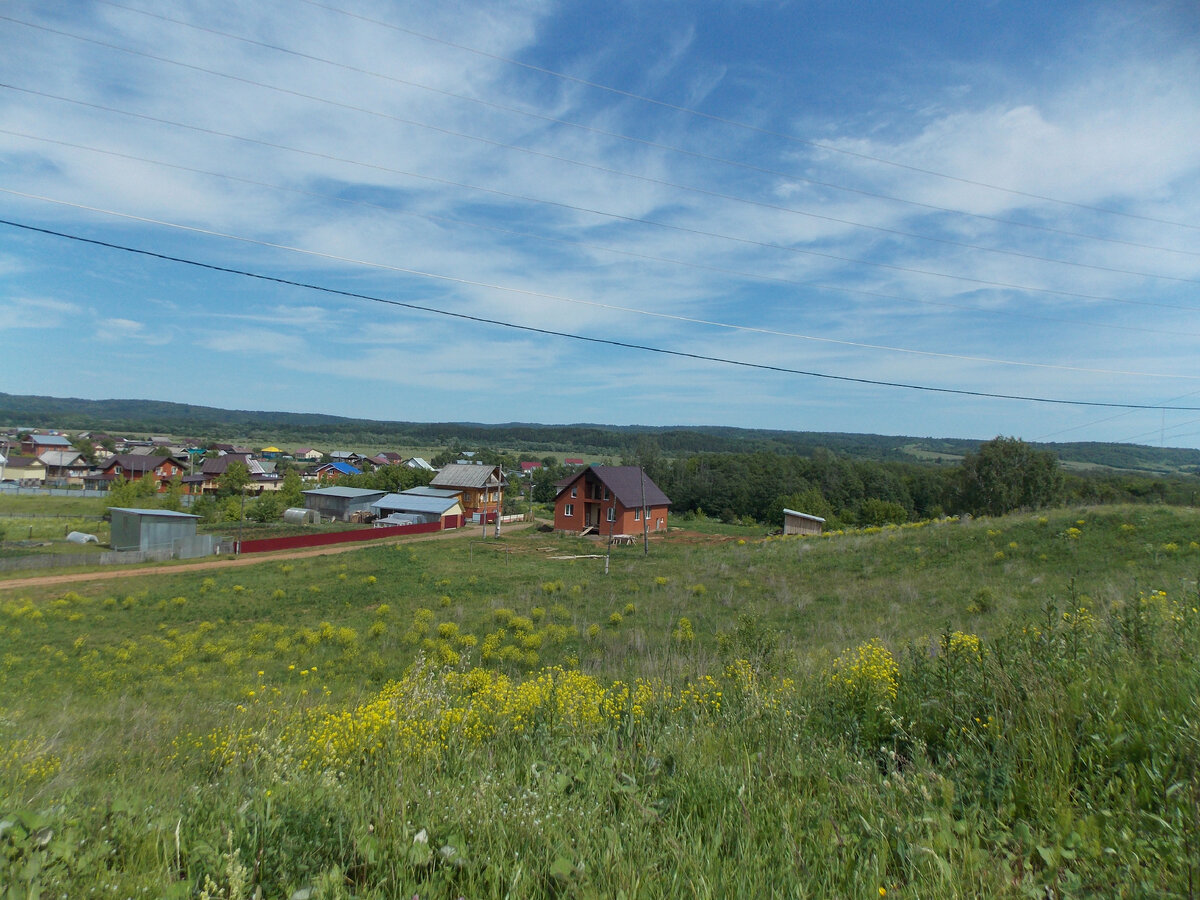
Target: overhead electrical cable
610, 215
829, 148
444, 220
437, 276
585, 338
652, 144
1114, 418
608, 170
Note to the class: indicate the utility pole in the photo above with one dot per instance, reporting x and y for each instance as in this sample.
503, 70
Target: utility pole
645, 524
241, 519
608, 552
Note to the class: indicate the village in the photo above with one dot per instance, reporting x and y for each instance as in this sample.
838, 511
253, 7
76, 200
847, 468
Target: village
365, 496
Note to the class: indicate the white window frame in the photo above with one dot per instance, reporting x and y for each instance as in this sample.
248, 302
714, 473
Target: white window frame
637, 514
612, 514
569, 510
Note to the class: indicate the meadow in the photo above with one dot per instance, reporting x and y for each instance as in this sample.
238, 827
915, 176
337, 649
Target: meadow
1003, 707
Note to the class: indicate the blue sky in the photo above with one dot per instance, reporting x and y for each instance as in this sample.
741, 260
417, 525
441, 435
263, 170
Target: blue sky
996, 198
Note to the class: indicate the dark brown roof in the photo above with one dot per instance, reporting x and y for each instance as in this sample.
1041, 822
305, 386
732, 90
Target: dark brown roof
626, 484
132, 462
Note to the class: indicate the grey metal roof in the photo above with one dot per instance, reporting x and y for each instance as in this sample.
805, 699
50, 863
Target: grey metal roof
398, 519
466, 476
792, 512
169, 513
60, 457
415, 503
626, 484
352, 493
426, 491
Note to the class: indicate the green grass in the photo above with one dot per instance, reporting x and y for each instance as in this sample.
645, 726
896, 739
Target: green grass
31, 524
1013, 712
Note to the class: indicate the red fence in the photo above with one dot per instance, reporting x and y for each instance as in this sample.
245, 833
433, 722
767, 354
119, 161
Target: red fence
262, 545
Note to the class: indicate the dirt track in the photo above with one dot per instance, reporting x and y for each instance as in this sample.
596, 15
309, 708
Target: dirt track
234, 561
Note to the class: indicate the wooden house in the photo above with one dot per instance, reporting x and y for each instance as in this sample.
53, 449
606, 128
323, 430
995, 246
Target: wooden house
481, 488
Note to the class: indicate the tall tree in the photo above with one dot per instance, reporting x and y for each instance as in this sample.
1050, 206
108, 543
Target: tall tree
1008, 474
236, 477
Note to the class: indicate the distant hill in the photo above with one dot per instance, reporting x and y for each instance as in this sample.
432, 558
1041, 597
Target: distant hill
204, 423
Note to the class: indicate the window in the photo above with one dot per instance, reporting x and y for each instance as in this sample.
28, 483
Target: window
606, 493
574, 493
637, 514
612, 514
569, 509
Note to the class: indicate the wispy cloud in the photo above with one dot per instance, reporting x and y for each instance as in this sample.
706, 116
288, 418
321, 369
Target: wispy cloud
592, 233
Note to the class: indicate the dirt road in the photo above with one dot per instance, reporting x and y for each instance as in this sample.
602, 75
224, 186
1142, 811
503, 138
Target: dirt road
227, 562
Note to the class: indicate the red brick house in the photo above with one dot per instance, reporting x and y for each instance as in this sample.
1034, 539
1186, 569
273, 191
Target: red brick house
131, 467
610, 500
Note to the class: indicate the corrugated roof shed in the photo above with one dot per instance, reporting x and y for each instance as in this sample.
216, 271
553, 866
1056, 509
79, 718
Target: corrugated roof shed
415, 503
352, 493
427, 491
167, 513
811, 518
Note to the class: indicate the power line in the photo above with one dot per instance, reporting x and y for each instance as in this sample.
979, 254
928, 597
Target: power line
593, 246
622, 173
585, 338
437, 276
830, 148
698, 232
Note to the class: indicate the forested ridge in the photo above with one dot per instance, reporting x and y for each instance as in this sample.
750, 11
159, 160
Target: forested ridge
205, 423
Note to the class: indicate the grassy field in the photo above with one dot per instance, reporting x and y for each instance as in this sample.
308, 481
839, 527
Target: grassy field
998, 708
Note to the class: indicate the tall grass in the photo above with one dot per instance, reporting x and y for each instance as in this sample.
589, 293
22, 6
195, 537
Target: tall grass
897, 713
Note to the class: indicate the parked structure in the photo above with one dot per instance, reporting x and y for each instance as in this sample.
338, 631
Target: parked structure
481, 488
610, 499
801, 523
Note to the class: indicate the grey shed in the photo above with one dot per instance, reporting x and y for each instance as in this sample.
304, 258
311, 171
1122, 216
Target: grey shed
154, 529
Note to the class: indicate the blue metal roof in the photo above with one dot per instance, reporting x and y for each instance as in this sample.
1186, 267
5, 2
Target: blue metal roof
415, 503
344, 468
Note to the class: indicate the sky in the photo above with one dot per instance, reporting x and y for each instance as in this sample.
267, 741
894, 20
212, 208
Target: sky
931, 219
